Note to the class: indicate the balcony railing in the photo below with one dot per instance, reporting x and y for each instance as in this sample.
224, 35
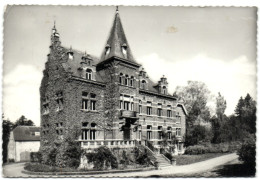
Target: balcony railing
109, 143
128, 114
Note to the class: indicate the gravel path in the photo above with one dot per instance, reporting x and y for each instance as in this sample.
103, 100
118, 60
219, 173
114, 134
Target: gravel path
15, 170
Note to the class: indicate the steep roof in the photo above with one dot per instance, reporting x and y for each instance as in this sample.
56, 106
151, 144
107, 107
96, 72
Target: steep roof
27, 133
73, 65
116, 41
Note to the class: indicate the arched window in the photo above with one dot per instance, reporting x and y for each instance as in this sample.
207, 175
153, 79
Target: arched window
126, 80
93, 125
89, 74
140, 106
164, 90
143, 84
121, 78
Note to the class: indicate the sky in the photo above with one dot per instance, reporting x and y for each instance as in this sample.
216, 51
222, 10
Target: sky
214, 45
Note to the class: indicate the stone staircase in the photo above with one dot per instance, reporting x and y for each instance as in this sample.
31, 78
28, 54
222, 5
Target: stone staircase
160, 158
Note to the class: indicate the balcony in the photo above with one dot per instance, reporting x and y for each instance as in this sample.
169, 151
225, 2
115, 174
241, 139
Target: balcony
92, 144
128, 114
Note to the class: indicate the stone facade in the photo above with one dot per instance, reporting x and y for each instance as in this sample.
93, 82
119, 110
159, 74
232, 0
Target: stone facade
107, 101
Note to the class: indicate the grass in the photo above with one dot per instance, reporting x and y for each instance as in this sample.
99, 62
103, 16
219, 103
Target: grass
37, 167
189, 159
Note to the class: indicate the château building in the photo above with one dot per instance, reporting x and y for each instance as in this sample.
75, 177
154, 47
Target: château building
105, 101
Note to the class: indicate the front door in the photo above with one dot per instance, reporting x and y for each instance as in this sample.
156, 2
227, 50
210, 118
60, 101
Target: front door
127, 130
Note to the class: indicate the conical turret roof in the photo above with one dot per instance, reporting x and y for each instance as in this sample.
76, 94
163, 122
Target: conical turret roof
117, 45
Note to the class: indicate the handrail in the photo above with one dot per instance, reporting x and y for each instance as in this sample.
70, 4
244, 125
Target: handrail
166, 158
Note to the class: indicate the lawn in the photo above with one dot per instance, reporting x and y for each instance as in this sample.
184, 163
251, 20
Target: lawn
189, 159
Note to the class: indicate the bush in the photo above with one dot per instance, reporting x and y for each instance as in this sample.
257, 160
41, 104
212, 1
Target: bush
72, 154
37, 167
102, 158
169, 156
52, 157
36, 157
212, 148
143, 157
247, 153
197, 149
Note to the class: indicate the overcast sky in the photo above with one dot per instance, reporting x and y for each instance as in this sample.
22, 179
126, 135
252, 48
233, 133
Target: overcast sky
213, 45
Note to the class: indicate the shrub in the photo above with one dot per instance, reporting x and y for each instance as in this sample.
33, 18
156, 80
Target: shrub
125, 159
168, 155
37, 167
36, 157
247, 152
197, 149
143, 157
213, 148
52, 157
72, 154
102, 158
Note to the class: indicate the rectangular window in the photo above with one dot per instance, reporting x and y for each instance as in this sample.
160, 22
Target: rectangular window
159, 112
178, 131
92, 134
121, 104
169, 135
149, 135
84, 134
132, 106
140, 108
45, 103
149, 110
169, 113
131, 82
59, 100
126, 105
84, 104
92, 105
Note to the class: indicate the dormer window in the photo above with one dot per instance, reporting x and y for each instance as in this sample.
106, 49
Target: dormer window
143, 84
124, 50
164, 90
107, 49
70, 56
89, 74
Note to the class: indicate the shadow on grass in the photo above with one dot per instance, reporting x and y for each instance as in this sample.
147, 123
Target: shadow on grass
236, 170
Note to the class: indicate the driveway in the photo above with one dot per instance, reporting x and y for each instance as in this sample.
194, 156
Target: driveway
15, 170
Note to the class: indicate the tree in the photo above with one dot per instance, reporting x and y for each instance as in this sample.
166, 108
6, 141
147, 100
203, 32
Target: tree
219, 122
23, 121
221, 106
234, 127
196, 96
246, 113
197, 135
7, 126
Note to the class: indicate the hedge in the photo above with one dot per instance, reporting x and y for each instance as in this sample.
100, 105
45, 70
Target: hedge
213, 148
